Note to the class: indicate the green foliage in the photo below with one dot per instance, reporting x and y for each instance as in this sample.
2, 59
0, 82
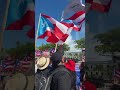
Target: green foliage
80, 43
49, 46
109, 42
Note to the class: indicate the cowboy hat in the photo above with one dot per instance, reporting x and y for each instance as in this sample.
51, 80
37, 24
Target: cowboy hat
43, 63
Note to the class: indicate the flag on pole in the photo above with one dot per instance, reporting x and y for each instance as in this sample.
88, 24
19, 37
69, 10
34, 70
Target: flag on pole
20, 14
73, 6
77, 19
55, 31
45, 27
76, 26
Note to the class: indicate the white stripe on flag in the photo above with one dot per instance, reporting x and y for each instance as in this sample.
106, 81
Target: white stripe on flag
62, 27
80, 18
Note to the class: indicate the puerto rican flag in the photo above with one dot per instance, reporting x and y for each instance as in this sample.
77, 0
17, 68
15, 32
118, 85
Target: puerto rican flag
52, 29
58, 32
77, 19
99, 5
73, 6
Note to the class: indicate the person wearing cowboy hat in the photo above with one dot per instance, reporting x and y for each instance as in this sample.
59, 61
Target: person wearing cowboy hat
43, 71
42, 64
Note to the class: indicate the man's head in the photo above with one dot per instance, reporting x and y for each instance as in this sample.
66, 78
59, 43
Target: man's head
57, 58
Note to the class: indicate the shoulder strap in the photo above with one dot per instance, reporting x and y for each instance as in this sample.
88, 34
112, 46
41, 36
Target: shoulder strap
60, 69
51, 75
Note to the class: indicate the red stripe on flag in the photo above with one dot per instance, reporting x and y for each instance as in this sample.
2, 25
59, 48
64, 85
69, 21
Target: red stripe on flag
64, 37
68, 24
45, 16
58, 32
76, 15
77, 28
47, 33
52, 39
82, 21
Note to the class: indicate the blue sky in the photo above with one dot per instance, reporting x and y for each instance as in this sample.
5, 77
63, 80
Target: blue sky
108, 20
54, 10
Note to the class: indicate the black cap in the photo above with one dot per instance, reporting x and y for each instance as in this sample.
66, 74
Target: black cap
56, 57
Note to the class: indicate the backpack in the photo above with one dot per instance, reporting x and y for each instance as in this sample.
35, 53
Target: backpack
47, 86
40, 81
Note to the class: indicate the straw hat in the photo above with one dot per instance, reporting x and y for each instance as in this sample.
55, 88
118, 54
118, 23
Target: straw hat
43, 63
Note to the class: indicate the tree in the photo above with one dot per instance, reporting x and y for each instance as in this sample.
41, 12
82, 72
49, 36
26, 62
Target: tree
109, 43
22, 49
80, 43
49, 46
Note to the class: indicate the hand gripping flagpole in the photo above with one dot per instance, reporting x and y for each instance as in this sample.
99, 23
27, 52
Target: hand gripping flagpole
4, 24
37, 30
55, 47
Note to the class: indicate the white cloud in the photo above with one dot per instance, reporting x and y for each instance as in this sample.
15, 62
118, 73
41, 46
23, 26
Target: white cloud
69, 40
71, 43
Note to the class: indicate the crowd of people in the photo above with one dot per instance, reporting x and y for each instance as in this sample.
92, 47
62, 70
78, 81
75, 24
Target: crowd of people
54, 72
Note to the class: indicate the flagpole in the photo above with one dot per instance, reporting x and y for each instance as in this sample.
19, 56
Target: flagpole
62, 15
56, 47
4, 24
37, 30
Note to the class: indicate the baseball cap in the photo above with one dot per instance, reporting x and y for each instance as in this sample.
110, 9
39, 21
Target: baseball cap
56, 57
